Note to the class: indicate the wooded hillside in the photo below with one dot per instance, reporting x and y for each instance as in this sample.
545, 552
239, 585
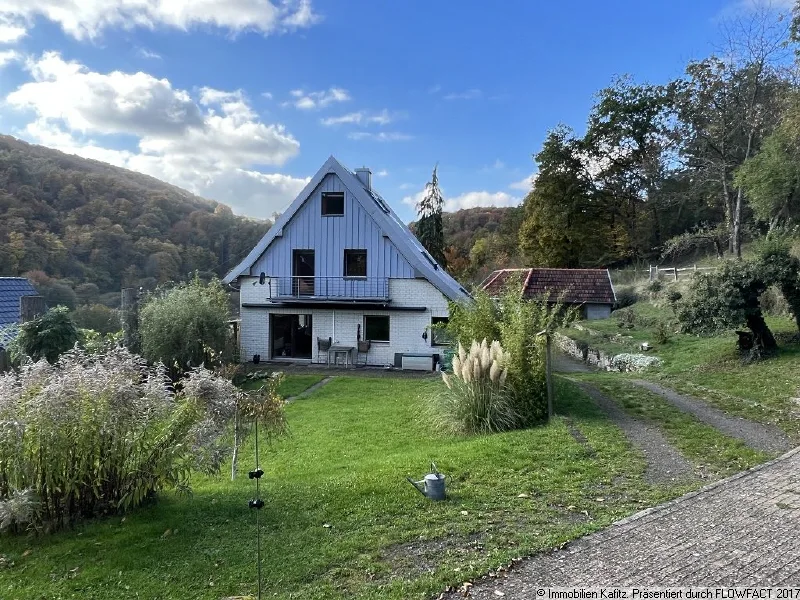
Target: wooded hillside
79, 226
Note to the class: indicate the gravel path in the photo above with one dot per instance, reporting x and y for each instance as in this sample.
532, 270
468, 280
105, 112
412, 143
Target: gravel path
741, 531
664, 462
563, 363
756, 435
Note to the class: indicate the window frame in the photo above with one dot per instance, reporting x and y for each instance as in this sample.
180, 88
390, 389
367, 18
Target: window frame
435, 332
388, 328
324, 204
349, 251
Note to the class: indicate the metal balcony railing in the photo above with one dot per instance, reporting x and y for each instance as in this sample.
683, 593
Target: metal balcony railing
323, 288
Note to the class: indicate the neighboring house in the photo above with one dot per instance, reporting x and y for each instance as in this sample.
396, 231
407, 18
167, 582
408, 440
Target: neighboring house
11, 290
591, 289
339, 265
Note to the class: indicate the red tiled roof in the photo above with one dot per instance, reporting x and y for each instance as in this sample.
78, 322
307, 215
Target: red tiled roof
578, 286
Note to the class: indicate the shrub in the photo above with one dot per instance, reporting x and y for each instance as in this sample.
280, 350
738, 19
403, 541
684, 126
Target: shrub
655, 287
98, 317
100, 434
513, 322
47, 336
673, 297
663, 332
626, 296
626, 318
476, 398
186, 326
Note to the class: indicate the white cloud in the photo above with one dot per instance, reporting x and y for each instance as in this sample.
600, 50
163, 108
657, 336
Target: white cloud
406, 186
382, 173
209, 145
475, 199
11, 32
316, 100
148, 54
8, 56
361, 117
468, 200
87, 19
471, 94
266, 95
525, 184
381, 136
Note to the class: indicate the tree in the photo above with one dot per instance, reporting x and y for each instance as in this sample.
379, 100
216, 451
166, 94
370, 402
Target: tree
729, 298
782, 269
186, 326
429, 226
562, 226
47, 336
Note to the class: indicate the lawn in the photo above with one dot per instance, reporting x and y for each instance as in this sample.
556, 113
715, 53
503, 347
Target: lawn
290, 386
340, 520
710, 367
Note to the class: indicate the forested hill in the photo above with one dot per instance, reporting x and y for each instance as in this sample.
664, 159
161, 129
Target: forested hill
81, 226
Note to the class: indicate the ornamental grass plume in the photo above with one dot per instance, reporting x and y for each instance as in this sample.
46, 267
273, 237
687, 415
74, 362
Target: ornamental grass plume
476, 398
99, 434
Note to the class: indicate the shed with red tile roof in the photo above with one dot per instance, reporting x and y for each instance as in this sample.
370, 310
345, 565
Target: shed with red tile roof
589, 288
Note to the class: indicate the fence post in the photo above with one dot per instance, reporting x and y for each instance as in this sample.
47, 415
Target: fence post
650, 272
31, 307
676, 273
130, 319
5, 363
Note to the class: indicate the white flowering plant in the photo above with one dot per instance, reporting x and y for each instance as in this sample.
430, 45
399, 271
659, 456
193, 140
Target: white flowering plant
101, 433
477, 398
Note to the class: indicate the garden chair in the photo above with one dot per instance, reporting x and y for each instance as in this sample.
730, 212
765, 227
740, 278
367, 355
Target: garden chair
324, 345
363, 348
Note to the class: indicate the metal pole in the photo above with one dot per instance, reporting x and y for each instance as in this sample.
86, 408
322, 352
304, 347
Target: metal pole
549, 380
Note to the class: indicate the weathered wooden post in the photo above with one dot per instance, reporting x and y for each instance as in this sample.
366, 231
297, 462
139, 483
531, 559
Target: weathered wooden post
548, 369
5, 360
130, 319
31, 307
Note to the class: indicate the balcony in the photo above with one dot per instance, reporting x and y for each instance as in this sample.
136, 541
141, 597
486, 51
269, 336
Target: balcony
330, 288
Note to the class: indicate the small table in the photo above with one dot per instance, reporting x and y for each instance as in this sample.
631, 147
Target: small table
346, 350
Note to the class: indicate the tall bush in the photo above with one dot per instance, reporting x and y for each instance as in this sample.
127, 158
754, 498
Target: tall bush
477, 398
47, 336
97, 434
514, 321
186, 326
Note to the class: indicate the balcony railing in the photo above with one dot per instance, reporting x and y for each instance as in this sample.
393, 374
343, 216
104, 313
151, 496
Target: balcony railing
324, 288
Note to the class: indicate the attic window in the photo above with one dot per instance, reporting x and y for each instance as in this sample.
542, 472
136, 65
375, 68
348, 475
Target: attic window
332, 204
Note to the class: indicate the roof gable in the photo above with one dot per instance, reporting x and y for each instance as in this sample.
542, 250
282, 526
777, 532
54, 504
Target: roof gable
11, 289
578, 286
379, 210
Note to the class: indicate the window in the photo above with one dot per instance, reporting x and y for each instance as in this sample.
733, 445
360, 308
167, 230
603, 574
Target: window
355, 263
376, 328
439, 336
332, 204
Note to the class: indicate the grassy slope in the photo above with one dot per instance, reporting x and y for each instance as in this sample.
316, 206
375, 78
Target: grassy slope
352, 444
711, 368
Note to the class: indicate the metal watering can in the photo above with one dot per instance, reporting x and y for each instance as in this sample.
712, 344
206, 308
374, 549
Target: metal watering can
431, 486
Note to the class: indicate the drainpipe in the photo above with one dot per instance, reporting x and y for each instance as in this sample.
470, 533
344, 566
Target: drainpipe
334, 327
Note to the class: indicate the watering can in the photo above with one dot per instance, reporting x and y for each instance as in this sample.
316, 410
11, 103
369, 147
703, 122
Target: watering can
431, 486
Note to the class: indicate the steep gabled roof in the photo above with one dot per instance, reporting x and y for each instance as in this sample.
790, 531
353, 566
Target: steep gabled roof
398, 233
578, 286
11, 289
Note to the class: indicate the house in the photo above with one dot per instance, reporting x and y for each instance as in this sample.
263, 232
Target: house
591, 289
11, 290
340, 267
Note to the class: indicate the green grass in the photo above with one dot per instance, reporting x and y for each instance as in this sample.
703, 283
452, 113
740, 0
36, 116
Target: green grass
291, 386
340, 520
711, 368
714, 454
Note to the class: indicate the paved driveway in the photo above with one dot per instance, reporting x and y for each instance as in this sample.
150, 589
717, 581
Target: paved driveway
739, 531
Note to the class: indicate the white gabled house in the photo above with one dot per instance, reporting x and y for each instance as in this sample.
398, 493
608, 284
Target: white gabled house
339, 266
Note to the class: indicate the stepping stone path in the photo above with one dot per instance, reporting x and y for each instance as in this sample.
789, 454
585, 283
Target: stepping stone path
741, 531
756, 435
311, 390
664, 462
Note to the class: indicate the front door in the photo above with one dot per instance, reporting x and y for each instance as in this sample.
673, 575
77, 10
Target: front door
303, 273
290, 336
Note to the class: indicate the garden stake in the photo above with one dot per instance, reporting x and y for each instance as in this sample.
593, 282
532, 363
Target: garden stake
258, 504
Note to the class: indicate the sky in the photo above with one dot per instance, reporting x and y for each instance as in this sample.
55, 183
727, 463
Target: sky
241, 101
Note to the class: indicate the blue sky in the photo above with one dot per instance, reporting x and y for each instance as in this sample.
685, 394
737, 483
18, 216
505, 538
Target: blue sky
242, 100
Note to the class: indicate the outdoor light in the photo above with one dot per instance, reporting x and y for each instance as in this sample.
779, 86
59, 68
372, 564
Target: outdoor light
255, 474
258, 503
425, 335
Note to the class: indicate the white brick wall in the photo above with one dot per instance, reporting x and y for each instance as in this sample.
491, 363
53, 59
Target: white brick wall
406, 328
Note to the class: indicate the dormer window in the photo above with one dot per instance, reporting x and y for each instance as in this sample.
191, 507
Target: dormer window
332, 204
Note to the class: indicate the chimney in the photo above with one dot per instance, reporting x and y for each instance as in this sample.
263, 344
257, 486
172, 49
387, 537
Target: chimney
365, 175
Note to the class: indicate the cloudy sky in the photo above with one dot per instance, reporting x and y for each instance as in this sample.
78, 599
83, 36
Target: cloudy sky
242, 100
